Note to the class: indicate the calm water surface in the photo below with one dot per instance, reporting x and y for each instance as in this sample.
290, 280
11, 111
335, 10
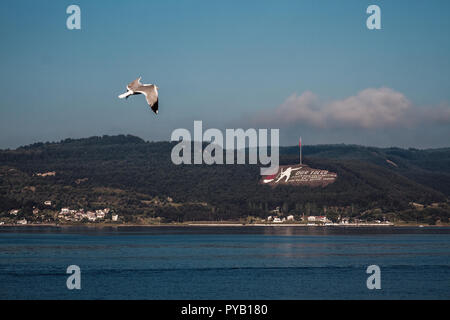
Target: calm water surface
224, 262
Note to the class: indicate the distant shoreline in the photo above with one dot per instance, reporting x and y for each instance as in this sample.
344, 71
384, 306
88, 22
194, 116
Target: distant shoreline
230, 224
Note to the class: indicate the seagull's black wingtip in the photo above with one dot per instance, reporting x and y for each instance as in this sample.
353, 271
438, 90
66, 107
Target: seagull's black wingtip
155, 107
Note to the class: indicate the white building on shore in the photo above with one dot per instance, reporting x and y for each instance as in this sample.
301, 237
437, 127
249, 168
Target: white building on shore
318, 219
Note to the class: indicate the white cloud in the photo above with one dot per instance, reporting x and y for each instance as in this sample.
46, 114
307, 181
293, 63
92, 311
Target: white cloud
369, 109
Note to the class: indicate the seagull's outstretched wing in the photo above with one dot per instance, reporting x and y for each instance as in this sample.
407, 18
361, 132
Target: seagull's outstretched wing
151, 94
135, 84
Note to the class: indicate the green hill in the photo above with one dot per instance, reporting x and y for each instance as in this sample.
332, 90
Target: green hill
137, 179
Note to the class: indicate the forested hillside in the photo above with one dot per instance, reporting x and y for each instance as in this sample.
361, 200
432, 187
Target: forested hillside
137, 179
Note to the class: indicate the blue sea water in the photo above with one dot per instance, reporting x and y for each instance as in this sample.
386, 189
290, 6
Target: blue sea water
224, 262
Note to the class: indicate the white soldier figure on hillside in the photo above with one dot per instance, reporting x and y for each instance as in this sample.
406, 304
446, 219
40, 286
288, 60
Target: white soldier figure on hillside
286, 174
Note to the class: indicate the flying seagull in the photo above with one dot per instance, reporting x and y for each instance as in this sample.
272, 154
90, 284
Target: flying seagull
149, 90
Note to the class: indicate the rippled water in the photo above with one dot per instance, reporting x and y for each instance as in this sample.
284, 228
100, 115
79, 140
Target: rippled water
224, 263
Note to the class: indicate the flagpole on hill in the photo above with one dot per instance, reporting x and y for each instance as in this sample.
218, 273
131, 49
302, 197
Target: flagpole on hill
300, 146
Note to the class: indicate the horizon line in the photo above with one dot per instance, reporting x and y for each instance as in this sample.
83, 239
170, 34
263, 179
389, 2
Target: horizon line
168, 141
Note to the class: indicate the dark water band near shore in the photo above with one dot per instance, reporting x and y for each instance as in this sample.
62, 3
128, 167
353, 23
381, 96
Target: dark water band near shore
231, 228
173, 262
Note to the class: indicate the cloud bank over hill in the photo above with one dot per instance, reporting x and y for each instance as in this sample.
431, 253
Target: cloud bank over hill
372, 108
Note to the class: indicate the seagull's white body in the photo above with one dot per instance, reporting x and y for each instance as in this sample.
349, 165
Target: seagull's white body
126, 94
149, 90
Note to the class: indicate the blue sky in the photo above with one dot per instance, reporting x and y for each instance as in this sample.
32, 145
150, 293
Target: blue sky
229, 63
